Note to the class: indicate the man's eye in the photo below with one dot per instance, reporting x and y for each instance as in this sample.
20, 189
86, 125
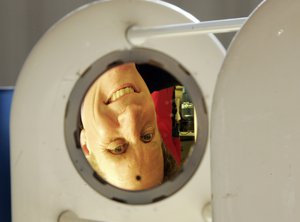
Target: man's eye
119, 149
146, 138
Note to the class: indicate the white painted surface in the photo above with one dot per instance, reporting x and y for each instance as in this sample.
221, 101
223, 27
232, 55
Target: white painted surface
256, 121
44, 181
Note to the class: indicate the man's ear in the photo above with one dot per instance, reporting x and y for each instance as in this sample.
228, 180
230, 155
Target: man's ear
83, 144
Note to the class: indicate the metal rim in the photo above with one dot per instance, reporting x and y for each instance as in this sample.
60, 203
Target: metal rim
136, 55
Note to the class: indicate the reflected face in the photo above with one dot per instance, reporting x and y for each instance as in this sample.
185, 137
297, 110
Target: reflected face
120, 137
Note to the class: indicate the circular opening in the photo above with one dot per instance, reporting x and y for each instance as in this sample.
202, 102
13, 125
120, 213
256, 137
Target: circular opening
140, 150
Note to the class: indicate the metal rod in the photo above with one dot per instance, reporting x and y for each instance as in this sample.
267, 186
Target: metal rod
137, 35
69, 216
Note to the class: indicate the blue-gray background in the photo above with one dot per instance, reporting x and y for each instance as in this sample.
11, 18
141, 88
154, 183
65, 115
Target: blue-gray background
22, 23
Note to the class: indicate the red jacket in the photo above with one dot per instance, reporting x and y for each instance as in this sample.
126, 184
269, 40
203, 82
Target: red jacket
163, 106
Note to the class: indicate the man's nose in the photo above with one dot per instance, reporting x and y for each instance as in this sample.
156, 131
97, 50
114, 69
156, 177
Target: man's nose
130, 120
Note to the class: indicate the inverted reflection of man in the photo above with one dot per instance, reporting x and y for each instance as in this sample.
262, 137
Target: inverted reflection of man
120, 137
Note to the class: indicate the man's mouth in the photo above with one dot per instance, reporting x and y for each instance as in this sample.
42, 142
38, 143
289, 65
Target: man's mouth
119, 93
